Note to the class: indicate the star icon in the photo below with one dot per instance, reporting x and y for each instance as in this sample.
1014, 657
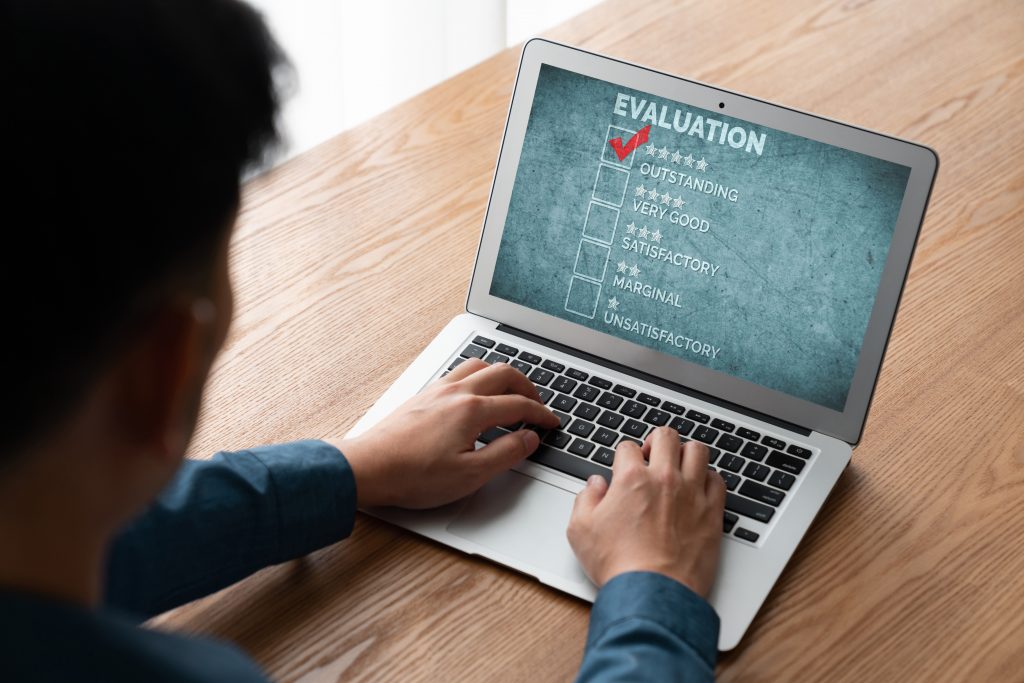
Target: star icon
634, 271
702, 165
676, 157
631, 228
656, 235
663, 153
665, 199
650, 149
688, 159
677, 203
621, 267
653, 194
613, 304
640, 191
643, 233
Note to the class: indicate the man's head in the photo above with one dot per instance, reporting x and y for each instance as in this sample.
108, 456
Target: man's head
127, 126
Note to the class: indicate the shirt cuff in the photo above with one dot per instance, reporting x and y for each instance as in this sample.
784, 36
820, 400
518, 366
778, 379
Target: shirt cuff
657, 598
315, 492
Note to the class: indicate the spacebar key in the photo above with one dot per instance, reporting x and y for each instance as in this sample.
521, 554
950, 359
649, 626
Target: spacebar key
748, 508
569, 464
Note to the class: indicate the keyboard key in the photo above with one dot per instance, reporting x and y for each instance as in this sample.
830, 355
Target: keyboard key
633, 409
609, 401
746, 535
586, 392
495, 357
569, 464
610, 420
799, 451
491, 434
605, 437
552, 366
681, 425
563, 419
673, 408
605, 456
698, 416
577, 375
522, 367
600, 382
763, 493
631, 440
729, 521
564, 384
731, 480
649, 400
781, 480
713, 454
581, 448
456, 363
756, 471
473, 351
512, 427
755, 451
705, 434
748, 434
634, 428
588, 411
557, 439
507, 350
541, 376
656, 417
483, 341
772, 442
723, 425
748, 508
624, 391
545, 394
581, 428
729, 442
733, 463
784, 462
531, 358
563, 403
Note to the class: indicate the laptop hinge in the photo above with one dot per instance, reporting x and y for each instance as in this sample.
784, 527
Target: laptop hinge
672, 386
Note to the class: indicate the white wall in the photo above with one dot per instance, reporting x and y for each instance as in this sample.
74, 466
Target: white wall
354, 59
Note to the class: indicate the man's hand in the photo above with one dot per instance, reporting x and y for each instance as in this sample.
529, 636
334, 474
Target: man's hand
664, 517
422, 455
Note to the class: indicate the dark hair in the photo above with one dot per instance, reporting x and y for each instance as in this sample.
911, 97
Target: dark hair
127, 125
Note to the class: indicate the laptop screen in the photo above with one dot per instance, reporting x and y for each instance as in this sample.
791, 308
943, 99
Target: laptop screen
747, 250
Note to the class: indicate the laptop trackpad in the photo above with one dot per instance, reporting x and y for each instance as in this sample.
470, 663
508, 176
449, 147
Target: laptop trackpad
523, 520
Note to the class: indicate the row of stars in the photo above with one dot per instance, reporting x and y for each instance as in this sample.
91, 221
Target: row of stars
653, 195
643, 232
623, 267
675, 157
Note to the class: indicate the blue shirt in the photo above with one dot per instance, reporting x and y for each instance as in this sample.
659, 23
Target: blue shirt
225, 518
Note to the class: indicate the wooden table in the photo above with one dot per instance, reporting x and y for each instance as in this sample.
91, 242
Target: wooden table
349, 258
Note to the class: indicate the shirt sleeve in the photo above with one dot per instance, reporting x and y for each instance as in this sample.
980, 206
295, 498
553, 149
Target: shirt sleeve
222, 519
647, 627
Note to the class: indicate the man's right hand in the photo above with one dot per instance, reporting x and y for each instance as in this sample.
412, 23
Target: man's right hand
664, 516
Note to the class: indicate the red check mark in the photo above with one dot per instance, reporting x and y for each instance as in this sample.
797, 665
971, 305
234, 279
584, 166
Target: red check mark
623, 150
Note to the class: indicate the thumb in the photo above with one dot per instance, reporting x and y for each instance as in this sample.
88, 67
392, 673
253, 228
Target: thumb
590, 496
508, 450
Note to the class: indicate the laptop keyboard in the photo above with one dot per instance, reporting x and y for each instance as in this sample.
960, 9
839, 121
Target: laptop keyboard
597, 414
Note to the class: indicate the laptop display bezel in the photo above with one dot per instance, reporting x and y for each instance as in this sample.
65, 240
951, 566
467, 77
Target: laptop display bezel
847, 424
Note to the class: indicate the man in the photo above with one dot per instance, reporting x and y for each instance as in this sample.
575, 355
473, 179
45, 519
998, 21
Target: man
127, 127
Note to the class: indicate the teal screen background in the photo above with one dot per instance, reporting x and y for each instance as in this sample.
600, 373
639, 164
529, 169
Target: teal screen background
797, 257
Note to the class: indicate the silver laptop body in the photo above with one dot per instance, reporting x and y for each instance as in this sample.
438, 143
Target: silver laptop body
665, 252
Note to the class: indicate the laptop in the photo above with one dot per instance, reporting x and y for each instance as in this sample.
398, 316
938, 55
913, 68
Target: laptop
658, 251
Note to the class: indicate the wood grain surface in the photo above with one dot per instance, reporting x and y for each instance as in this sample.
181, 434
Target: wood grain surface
351, 257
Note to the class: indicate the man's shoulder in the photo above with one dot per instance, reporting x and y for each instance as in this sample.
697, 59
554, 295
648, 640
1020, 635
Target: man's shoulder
43, 640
